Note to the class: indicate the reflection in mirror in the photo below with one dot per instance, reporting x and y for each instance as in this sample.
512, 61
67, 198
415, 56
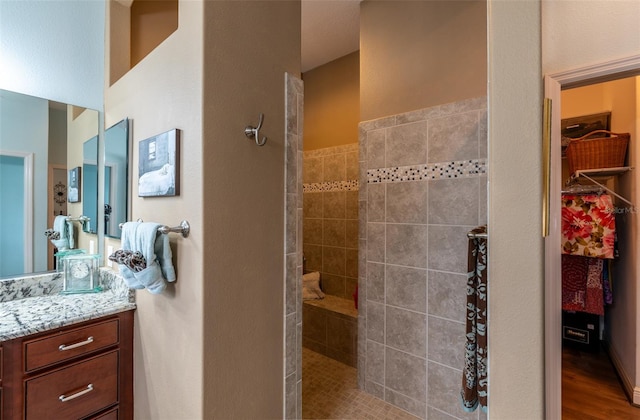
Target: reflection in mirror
90, 184
116, 158
40, 140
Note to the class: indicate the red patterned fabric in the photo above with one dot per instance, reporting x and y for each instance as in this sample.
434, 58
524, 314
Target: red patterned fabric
588, 225
582, 284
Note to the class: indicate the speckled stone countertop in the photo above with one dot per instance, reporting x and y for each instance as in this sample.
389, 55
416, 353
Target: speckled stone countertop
33, 304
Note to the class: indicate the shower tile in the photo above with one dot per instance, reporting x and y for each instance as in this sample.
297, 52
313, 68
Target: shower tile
292, 223
419, 115
291, 398
299, 295
312, 231
410, 405
291, 159
454, 201
375, 389
448, 295
351, 265
482, 216
375, 362
404, 373
433, 414
483, 135
314, 325
334, 204
448, 248
407, 202
351, 211
362, 145
333, 260
312, 205
334, 285
446, 341
353, 165
375, 321
335, 168
351, 284
333, 232
406, 331
362, 220
351, 234
376, 149
312, 170
465, 105
301, 119
299, 351
299, 399
453, 138
290, 360
406, 287
375, 242
375, 282
299, 233
444, 390
362, 257
299, 186
376, 202
292, 282
313, 255
407, 245
343, 335
378, 123
407, 144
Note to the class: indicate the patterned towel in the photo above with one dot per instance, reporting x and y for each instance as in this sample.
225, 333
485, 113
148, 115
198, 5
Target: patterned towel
133, 260
588, 225
582, 284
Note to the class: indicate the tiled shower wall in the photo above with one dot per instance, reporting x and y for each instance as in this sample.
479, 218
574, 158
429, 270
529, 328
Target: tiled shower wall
293, 247
422, 188
331, 217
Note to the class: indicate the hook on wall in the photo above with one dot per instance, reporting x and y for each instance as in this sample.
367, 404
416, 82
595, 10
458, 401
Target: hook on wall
254, 132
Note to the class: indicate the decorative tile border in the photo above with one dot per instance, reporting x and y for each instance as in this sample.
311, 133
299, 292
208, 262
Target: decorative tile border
429, 171
352, 185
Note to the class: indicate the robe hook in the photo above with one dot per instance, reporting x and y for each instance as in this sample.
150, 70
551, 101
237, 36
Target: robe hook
254, 132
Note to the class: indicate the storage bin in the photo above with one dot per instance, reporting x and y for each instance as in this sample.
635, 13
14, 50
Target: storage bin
597, 152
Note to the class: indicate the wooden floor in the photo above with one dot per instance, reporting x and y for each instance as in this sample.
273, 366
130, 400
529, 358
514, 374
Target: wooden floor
591, 389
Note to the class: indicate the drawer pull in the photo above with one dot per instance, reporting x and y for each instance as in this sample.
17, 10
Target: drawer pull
64, 347
64, 398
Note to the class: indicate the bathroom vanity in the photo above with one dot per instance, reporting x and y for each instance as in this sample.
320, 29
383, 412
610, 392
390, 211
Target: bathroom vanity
66, 356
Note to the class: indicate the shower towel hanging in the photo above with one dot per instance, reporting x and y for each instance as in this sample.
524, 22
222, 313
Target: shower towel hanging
474, 373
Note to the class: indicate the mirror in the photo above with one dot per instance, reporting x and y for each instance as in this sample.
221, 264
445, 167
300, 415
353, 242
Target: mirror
40, 140
116, 177
90, 184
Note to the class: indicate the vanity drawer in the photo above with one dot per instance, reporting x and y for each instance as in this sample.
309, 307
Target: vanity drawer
56, 348
75, 391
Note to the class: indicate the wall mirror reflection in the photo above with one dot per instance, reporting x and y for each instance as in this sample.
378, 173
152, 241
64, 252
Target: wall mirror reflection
90, 184
116, 177
40, 140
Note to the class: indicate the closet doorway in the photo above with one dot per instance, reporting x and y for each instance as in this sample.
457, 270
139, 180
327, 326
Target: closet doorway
607, 368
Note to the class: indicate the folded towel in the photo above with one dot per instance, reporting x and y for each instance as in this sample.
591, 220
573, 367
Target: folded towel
65, 231
154, 247
311, 286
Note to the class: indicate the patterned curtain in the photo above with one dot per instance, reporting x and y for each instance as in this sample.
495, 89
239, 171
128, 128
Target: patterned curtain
474, 374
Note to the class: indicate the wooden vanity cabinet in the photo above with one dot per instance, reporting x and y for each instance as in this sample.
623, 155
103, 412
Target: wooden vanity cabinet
82, 371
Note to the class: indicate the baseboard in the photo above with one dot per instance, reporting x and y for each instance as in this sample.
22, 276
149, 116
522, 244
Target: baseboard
632, 391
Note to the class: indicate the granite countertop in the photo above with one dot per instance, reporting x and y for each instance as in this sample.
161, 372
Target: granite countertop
33, 304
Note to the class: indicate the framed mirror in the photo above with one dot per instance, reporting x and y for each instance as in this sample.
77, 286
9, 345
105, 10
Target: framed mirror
116, 177
90, 184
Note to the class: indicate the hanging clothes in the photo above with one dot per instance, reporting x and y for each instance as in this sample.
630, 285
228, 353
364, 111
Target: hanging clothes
474, 374
588, 225
582, 284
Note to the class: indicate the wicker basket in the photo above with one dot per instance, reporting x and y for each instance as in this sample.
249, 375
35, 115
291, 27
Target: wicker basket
598, 152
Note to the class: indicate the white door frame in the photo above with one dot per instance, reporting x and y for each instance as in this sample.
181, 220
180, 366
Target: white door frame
28, 205
553, 288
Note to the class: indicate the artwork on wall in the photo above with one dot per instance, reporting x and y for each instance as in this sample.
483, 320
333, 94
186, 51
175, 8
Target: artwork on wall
73, 194
574, 127
158, 165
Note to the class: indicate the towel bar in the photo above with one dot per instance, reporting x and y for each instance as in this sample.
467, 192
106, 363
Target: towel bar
82, 219
184, 228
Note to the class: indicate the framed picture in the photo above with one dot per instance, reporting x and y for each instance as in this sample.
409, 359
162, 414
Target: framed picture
572, 128
73, 192
158, 165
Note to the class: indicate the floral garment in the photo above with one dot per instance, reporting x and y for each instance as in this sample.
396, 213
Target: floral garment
588, 225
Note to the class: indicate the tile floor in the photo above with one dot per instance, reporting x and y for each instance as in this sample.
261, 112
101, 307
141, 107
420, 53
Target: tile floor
330, 391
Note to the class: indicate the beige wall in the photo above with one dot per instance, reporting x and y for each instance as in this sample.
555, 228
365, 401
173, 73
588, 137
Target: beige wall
332, 103
248, 48
164, 91
399, 43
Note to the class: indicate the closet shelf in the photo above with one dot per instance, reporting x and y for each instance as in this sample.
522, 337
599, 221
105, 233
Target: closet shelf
601, 173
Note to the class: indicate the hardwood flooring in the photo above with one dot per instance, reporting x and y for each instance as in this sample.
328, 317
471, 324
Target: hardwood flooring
591, 389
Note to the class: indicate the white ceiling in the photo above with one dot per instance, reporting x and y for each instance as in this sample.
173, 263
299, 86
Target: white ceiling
330, 29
